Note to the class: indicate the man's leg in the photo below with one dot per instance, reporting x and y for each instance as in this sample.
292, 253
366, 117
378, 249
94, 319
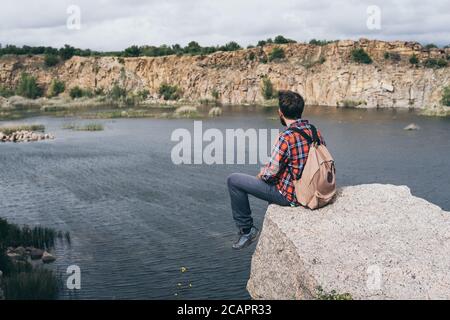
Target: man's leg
240, 186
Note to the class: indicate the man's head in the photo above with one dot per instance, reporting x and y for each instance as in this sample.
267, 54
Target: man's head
291, 106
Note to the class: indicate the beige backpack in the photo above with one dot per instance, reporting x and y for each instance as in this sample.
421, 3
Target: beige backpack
317, 185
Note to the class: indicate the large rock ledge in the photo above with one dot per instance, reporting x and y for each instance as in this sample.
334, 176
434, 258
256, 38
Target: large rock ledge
374, 242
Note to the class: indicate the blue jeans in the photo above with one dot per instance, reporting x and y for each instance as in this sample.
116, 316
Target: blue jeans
240, 186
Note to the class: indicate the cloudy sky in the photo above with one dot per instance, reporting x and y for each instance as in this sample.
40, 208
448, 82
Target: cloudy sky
116, 24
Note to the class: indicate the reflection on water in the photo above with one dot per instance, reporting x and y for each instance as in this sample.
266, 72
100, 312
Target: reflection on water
136, 219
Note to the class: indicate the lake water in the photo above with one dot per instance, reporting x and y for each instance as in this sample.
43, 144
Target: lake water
136, 219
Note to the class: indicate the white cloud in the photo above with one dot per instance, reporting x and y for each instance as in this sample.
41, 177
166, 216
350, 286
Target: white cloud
116, 24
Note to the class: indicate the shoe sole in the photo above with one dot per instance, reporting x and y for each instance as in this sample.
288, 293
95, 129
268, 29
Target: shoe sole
248, 243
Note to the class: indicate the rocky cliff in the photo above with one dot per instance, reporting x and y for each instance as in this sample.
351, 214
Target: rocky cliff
325, 75
373, 242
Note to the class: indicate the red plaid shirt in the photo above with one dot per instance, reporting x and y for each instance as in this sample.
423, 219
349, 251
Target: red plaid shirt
288, 159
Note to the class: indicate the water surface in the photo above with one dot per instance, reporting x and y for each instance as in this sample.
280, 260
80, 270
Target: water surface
136, 218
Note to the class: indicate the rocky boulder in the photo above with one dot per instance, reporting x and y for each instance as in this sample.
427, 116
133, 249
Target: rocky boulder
47, 257
373, 242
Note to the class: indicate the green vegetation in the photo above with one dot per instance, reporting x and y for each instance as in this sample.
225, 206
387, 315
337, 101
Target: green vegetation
169, 92
262, 43
67, 52
133, 51
91, 127
28, 87
446, 97
51, 59
38, 237
282, 40
85, 127
215, 94
22, 281
311, 63
230, 46
6, 92
267, 89
394, 56
52, 56
187, 112
11, 129
56, 87
251, 56
277, 53
361, 56
435, 63
431, 46
77, 92
333, 295
320, 42
35, 284
143, 94
351, 103
414, 60
117, 92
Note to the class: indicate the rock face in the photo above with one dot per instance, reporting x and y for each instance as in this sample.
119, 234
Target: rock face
325, 75
374, 242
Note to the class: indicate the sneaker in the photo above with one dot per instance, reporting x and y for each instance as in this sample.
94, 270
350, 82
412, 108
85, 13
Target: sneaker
246, 239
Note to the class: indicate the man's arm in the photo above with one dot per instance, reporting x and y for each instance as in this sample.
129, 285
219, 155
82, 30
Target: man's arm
270, 172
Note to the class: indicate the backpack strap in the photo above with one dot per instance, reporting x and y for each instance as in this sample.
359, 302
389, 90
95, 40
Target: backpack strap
314, 139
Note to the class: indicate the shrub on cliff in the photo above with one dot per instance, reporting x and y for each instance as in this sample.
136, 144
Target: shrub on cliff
431, 46
77, 92
169, 92
28, 87
414, 59
6, 92
267, 89
51, 60
435, 63
117, 92
316, 42
133, 51
446, 97
67, 52
56, 87
215, 94
262, 43
361, 56
277, 53
230, 46
193, 48
282, 40
394, 56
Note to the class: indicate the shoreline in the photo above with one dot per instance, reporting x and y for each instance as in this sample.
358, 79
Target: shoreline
16, 108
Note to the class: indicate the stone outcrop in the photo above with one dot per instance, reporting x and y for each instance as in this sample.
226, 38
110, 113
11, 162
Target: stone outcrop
325, 75
24, 136
373, 242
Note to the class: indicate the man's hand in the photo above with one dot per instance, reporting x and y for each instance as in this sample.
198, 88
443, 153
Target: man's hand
259, 176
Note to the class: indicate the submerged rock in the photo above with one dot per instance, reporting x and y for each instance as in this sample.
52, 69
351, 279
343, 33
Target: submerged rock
412, 127
373, 242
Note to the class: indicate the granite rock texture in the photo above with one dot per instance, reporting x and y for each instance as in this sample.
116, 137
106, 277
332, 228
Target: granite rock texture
373, 242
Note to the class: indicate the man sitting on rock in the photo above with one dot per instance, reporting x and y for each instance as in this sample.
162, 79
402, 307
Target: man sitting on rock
275, 182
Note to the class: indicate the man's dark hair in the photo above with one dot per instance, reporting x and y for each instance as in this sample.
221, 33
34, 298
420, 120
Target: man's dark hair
291, 104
